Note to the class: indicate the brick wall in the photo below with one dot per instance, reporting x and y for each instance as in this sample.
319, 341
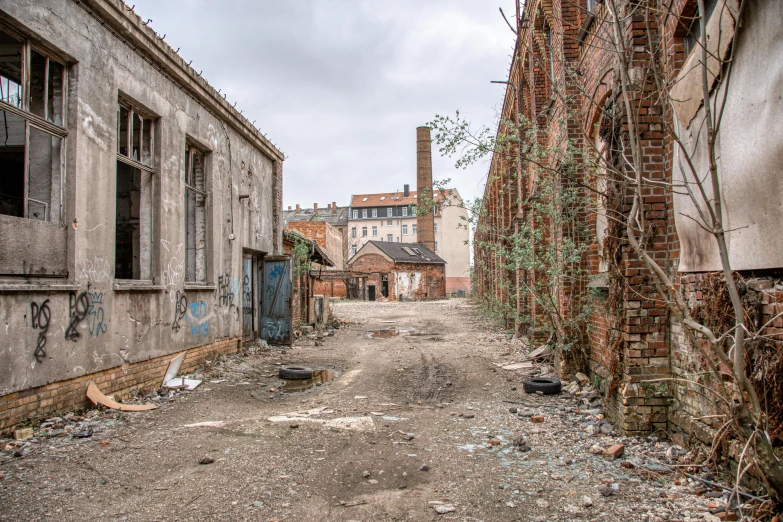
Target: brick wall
329, 238
122, 382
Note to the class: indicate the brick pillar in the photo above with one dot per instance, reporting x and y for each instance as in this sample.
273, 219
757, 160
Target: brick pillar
425, 223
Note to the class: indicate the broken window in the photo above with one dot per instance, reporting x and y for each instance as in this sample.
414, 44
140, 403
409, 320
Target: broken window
195, 216
693, 36
31, 131
133, 225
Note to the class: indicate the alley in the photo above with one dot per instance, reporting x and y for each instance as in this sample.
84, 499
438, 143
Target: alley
415, 420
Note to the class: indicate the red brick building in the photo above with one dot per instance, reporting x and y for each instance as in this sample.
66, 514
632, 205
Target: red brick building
564, 80
400, 271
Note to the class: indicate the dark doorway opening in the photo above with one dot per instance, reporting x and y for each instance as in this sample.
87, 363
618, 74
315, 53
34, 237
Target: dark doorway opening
371, 292
385, 285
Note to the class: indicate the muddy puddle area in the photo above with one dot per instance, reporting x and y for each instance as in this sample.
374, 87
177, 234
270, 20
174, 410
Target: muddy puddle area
394, 331
320, 377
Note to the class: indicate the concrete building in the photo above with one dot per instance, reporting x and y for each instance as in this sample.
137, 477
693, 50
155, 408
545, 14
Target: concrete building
391, 217
139, 211
400, 271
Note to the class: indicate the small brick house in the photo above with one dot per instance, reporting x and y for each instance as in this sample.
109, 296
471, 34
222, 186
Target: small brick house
303, 285
400, 271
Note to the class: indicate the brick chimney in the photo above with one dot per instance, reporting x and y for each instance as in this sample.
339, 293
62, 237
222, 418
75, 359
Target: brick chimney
297, 208
289, 207
406, 190
334, 207
425, 223
315, 208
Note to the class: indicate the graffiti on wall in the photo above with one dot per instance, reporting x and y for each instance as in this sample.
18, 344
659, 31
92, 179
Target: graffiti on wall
96, 315
180, 310
96, 271
174, 270
78, 306
247, 295
40, 315
225, 290
275, 330
197, 319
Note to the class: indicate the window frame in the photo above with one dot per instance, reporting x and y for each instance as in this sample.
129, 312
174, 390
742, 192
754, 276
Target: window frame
389, 212
374, 231
355, 214
375, 212
34, 120
134, 107
405, 230
364, 231
364, 213
192, 147
404, 211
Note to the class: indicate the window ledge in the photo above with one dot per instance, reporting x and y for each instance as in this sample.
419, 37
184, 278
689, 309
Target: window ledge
38, 287
200, 286
136, 286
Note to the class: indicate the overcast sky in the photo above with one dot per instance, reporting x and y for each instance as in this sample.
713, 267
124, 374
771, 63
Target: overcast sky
341, 85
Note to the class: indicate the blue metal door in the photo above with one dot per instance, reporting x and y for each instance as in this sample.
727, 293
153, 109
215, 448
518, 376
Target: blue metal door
276, 314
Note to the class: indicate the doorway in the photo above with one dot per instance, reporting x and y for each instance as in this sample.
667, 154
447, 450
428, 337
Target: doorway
248, 301
385, 285
371, 292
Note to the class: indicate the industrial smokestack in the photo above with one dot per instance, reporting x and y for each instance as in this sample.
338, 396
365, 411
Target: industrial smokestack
406, 191
425, 223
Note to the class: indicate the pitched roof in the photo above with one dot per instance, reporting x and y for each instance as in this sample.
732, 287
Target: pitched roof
338, 219
391, 198
406, 252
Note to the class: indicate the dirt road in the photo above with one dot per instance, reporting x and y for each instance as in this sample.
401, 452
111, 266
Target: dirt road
413, 423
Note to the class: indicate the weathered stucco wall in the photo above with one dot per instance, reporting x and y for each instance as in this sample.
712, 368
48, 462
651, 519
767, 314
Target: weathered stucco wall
750, 152
88, 322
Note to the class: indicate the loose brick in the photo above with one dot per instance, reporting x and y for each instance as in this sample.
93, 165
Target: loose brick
614, 452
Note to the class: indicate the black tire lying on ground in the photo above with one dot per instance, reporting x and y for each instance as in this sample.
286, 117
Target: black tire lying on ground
545, 385
295, 372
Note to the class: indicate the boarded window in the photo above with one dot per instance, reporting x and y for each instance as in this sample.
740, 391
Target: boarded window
195, 216
31, 131
134, 206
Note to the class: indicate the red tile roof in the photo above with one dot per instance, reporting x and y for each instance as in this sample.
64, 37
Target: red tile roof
389, 199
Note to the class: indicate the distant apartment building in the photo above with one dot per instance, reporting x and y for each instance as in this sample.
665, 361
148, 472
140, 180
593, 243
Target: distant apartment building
392, 217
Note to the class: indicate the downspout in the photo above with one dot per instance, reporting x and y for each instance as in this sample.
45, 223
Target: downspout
230, 183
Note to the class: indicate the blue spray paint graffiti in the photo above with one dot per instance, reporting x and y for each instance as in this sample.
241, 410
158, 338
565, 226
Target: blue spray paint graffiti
198, 319
95, 312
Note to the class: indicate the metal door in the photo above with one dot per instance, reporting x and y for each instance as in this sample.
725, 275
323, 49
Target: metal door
276, 314
247, 299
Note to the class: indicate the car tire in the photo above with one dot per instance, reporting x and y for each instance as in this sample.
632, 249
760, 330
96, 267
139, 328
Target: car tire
295, 372
545, 385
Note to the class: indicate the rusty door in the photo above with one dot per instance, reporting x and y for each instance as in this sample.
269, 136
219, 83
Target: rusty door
276, 316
